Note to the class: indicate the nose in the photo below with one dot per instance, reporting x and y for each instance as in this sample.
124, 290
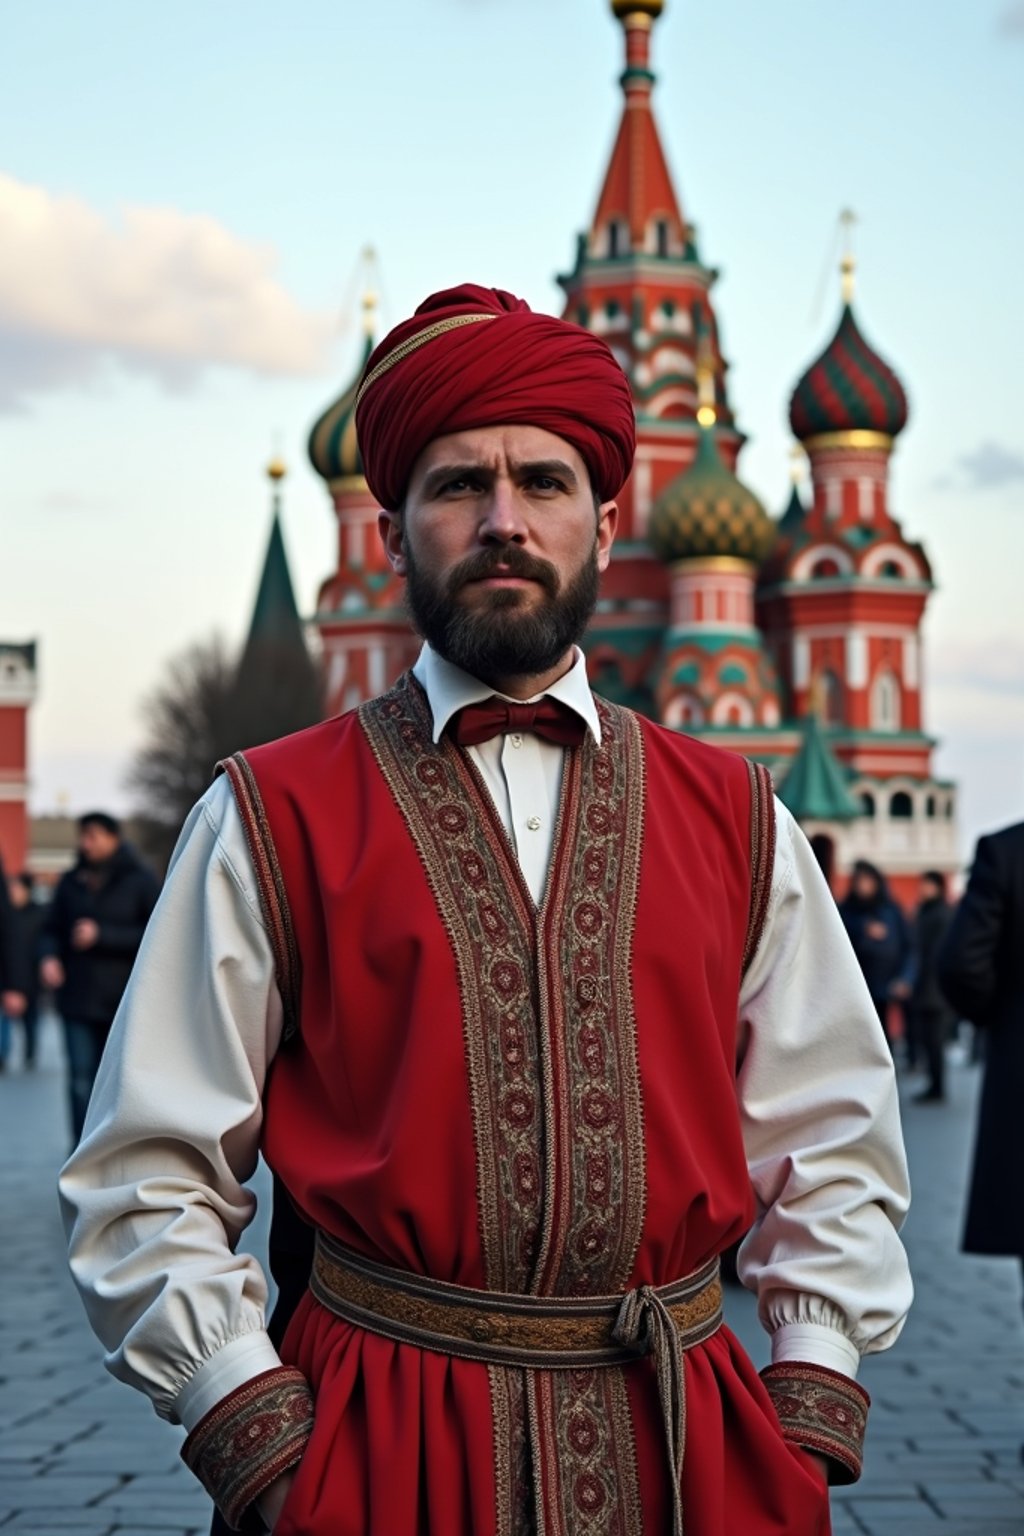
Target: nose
503, 520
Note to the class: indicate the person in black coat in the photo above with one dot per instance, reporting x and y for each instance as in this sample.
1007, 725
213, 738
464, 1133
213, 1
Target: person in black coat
879, 934
981, 971
14, 980
89, 943
26, 918
931, 1017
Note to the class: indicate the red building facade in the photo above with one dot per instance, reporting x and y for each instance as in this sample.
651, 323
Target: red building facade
714, 617
17, 692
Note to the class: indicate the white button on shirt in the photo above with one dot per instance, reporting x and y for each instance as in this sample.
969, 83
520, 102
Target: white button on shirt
522, 773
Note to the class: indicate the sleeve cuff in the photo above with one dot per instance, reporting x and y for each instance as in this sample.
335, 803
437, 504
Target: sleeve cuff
251, 1438
233, 1366
823, 1411
815, 1344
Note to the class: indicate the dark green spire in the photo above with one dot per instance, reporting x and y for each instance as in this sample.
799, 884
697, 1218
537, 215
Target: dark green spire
275, 615
814, 788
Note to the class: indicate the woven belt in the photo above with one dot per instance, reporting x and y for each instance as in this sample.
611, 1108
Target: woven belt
532, 1332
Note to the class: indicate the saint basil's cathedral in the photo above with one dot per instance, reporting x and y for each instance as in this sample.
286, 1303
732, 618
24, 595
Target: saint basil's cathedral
793, 640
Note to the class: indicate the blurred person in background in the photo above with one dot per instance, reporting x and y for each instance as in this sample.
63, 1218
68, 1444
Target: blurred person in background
931, 1019
26, 922
89, 942
981, 971
13, 981
879, 934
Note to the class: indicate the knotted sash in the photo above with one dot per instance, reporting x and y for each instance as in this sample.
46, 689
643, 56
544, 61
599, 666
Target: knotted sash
533, 1332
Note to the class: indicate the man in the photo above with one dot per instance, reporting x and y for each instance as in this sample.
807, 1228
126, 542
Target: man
89, 942
14, 980
24, 918
929, 1015
981, 970
534, 1008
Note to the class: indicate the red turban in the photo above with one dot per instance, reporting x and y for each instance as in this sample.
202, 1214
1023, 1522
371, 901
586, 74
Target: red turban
479, 357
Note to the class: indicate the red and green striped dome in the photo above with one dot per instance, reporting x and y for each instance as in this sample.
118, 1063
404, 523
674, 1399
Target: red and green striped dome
849, 389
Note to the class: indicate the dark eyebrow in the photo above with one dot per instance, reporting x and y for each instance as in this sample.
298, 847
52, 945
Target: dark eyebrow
436, 478
554, 469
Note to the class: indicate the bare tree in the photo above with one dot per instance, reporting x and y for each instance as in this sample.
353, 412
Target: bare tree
207, 707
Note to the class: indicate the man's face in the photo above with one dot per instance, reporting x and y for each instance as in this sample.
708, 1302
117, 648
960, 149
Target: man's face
865, 885
95, 843
501, 545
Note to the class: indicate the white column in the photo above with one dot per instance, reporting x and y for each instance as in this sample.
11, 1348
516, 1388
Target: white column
801, 661
856, 658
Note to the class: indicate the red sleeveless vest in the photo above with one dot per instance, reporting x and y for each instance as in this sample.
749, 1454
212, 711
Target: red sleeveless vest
520, 1098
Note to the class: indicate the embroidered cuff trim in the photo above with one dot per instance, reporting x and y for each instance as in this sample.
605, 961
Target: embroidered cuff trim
823, 1411
250, 1438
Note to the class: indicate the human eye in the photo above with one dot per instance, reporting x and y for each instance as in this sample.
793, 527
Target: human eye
546, 485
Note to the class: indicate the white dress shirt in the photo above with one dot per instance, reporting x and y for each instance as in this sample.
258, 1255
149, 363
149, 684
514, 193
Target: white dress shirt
154, 1201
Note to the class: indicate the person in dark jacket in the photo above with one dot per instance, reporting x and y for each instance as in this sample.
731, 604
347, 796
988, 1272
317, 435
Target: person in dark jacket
879, 934
931, 1017
26, 922
89, 943
981, 971
14, 980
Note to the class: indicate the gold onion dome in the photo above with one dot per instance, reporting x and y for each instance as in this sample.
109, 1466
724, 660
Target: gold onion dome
706, 513
333, 447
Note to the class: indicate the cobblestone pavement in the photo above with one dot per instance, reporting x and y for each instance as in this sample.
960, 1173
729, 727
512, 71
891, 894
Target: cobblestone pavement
81, 1455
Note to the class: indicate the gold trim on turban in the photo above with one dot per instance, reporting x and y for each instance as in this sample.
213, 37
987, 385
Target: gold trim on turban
413, 344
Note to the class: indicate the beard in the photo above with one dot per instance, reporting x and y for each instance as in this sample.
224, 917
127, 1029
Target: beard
504, 635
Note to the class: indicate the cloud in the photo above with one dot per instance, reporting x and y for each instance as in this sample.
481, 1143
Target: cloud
1011, 21
161, 291
983, 667
991, 465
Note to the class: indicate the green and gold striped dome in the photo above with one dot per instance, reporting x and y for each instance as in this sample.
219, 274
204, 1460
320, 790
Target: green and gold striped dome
706, 513
333, 448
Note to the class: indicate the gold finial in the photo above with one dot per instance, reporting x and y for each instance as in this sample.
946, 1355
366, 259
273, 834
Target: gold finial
370, 297
276, 469
707, 413
848, 264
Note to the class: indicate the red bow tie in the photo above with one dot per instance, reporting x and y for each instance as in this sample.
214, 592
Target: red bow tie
548, 718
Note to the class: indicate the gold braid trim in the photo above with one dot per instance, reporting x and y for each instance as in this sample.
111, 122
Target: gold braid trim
413, 344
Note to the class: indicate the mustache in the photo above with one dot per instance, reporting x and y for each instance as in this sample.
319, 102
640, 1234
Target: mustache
509, 560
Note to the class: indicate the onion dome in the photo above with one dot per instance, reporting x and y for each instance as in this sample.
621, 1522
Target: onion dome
849, 389
333, 447
707, 512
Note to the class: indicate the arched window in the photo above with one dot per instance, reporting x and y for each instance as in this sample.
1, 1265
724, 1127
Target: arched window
867, 803
890, 568
661, 232
830, 696
885, 702
821, 570
931, 808
901, 807
824, 849
612, 308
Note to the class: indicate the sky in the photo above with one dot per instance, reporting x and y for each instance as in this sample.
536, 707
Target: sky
184, 196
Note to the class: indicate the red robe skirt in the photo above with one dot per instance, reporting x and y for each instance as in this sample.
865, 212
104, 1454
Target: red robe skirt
520, 1099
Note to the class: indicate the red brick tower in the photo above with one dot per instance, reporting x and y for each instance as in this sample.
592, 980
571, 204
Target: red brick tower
17, 692
639, 282
363, 625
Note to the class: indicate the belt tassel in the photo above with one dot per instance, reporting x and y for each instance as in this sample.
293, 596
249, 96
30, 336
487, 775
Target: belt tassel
646, 1326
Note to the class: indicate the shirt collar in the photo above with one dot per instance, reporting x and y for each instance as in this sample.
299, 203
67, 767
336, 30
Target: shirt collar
449, 689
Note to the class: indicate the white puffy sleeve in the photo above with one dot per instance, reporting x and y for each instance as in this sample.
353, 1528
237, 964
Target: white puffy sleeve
821, 1125
152, 1198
